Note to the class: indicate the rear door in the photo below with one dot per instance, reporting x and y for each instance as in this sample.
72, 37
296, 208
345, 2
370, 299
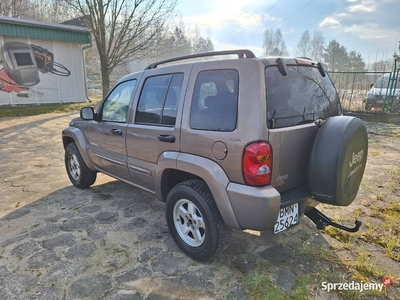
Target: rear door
294, 102
107, 135
155, 127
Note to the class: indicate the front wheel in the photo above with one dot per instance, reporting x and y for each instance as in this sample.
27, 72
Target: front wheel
78, 172
194, 220
368, 106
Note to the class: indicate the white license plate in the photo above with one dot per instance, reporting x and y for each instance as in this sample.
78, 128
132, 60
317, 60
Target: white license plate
288, 217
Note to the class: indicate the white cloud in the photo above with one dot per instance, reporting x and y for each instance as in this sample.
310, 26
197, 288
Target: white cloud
246, 19
219, 19
329, 21
364, 31
361, 8
223, 13
367, 6
258, 51
231, 5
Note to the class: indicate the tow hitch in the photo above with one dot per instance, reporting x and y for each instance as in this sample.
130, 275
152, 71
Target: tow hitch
321, 221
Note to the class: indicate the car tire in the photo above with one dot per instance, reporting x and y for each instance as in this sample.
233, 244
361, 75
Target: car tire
195, 222
338, 160
78, 172
368, 106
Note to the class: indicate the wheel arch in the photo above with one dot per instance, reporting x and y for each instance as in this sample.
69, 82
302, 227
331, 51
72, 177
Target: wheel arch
174, 168
75, 135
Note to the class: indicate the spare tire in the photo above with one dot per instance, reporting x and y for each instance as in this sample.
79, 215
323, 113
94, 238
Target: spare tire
338, 160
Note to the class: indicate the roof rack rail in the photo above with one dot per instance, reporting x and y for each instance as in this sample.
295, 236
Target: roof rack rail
243, 53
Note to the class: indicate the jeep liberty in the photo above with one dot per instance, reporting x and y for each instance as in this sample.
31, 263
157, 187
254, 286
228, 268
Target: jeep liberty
242, 142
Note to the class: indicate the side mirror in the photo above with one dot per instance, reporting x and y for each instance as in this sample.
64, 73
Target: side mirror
371, 85
87, 113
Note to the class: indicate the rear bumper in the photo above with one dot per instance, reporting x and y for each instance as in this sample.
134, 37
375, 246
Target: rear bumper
257, 208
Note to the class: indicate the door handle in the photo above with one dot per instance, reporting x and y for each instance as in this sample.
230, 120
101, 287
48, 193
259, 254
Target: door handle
166, 138
116, 131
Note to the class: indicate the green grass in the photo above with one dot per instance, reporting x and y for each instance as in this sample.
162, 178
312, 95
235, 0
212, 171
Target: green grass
32, 110
261, 283
193, 263
388, 235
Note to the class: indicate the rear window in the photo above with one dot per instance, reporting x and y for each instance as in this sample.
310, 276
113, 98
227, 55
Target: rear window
300, 97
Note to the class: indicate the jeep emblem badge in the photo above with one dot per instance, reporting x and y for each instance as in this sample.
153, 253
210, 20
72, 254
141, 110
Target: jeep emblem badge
356, 158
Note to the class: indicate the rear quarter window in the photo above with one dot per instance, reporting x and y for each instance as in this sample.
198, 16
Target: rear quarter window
215, 100
300, 97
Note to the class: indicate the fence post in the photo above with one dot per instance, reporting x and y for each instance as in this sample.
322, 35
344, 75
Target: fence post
390, 96
352, 89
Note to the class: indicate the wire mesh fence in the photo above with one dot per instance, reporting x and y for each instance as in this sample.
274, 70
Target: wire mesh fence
353, 88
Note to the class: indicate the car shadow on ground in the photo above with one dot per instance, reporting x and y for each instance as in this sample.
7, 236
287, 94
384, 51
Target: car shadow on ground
112, 242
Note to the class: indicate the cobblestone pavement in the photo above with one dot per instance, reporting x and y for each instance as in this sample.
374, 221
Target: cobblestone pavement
111, 241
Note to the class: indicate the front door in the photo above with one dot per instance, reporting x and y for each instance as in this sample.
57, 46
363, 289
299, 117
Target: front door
107, 146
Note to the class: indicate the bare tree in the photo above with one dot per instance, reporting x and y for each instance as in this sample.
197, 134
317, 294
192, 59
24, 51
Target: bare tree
311, 46
202, 45
40, 10
123, 29
304, 44
178, 41
274, 44
50, 11
317, 45
382, 65
14, 8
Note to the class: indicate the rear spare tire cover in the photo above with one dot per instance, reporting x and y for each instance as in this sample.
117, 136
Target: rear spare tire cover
338, 160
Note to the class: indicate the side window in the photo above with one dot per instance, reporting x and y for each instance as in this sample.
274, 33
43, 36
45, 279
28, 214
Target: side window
115, 107
171, 102
215, 101
158, 102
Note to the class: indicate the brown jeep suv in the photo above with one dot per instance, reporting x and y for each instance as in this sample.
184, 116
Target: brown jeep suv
241, 142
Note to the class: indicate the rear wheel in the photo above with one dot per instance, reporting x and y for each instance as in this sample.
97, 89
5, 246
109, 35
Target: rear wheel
78, 172
194, 220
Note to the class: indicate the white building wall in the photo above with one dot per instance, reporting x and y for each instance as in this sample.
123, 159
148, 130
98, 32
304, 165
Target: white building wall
63, 84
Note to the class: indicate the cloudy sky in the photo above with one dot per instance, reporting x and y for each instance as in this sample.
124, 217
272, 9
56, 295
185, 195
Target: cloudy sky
371, 27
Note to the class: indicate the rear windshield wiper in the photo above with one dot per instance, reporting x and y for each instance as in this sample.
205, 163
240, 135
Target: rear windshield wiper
318, 118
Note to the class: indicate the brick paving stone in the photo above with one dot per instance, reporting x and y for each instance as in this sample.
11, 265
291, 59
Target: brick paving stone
62, 240
92, 286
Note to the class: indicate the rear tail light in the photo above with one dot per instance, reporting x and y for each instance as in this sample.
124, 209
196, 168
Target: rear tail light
257, 164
